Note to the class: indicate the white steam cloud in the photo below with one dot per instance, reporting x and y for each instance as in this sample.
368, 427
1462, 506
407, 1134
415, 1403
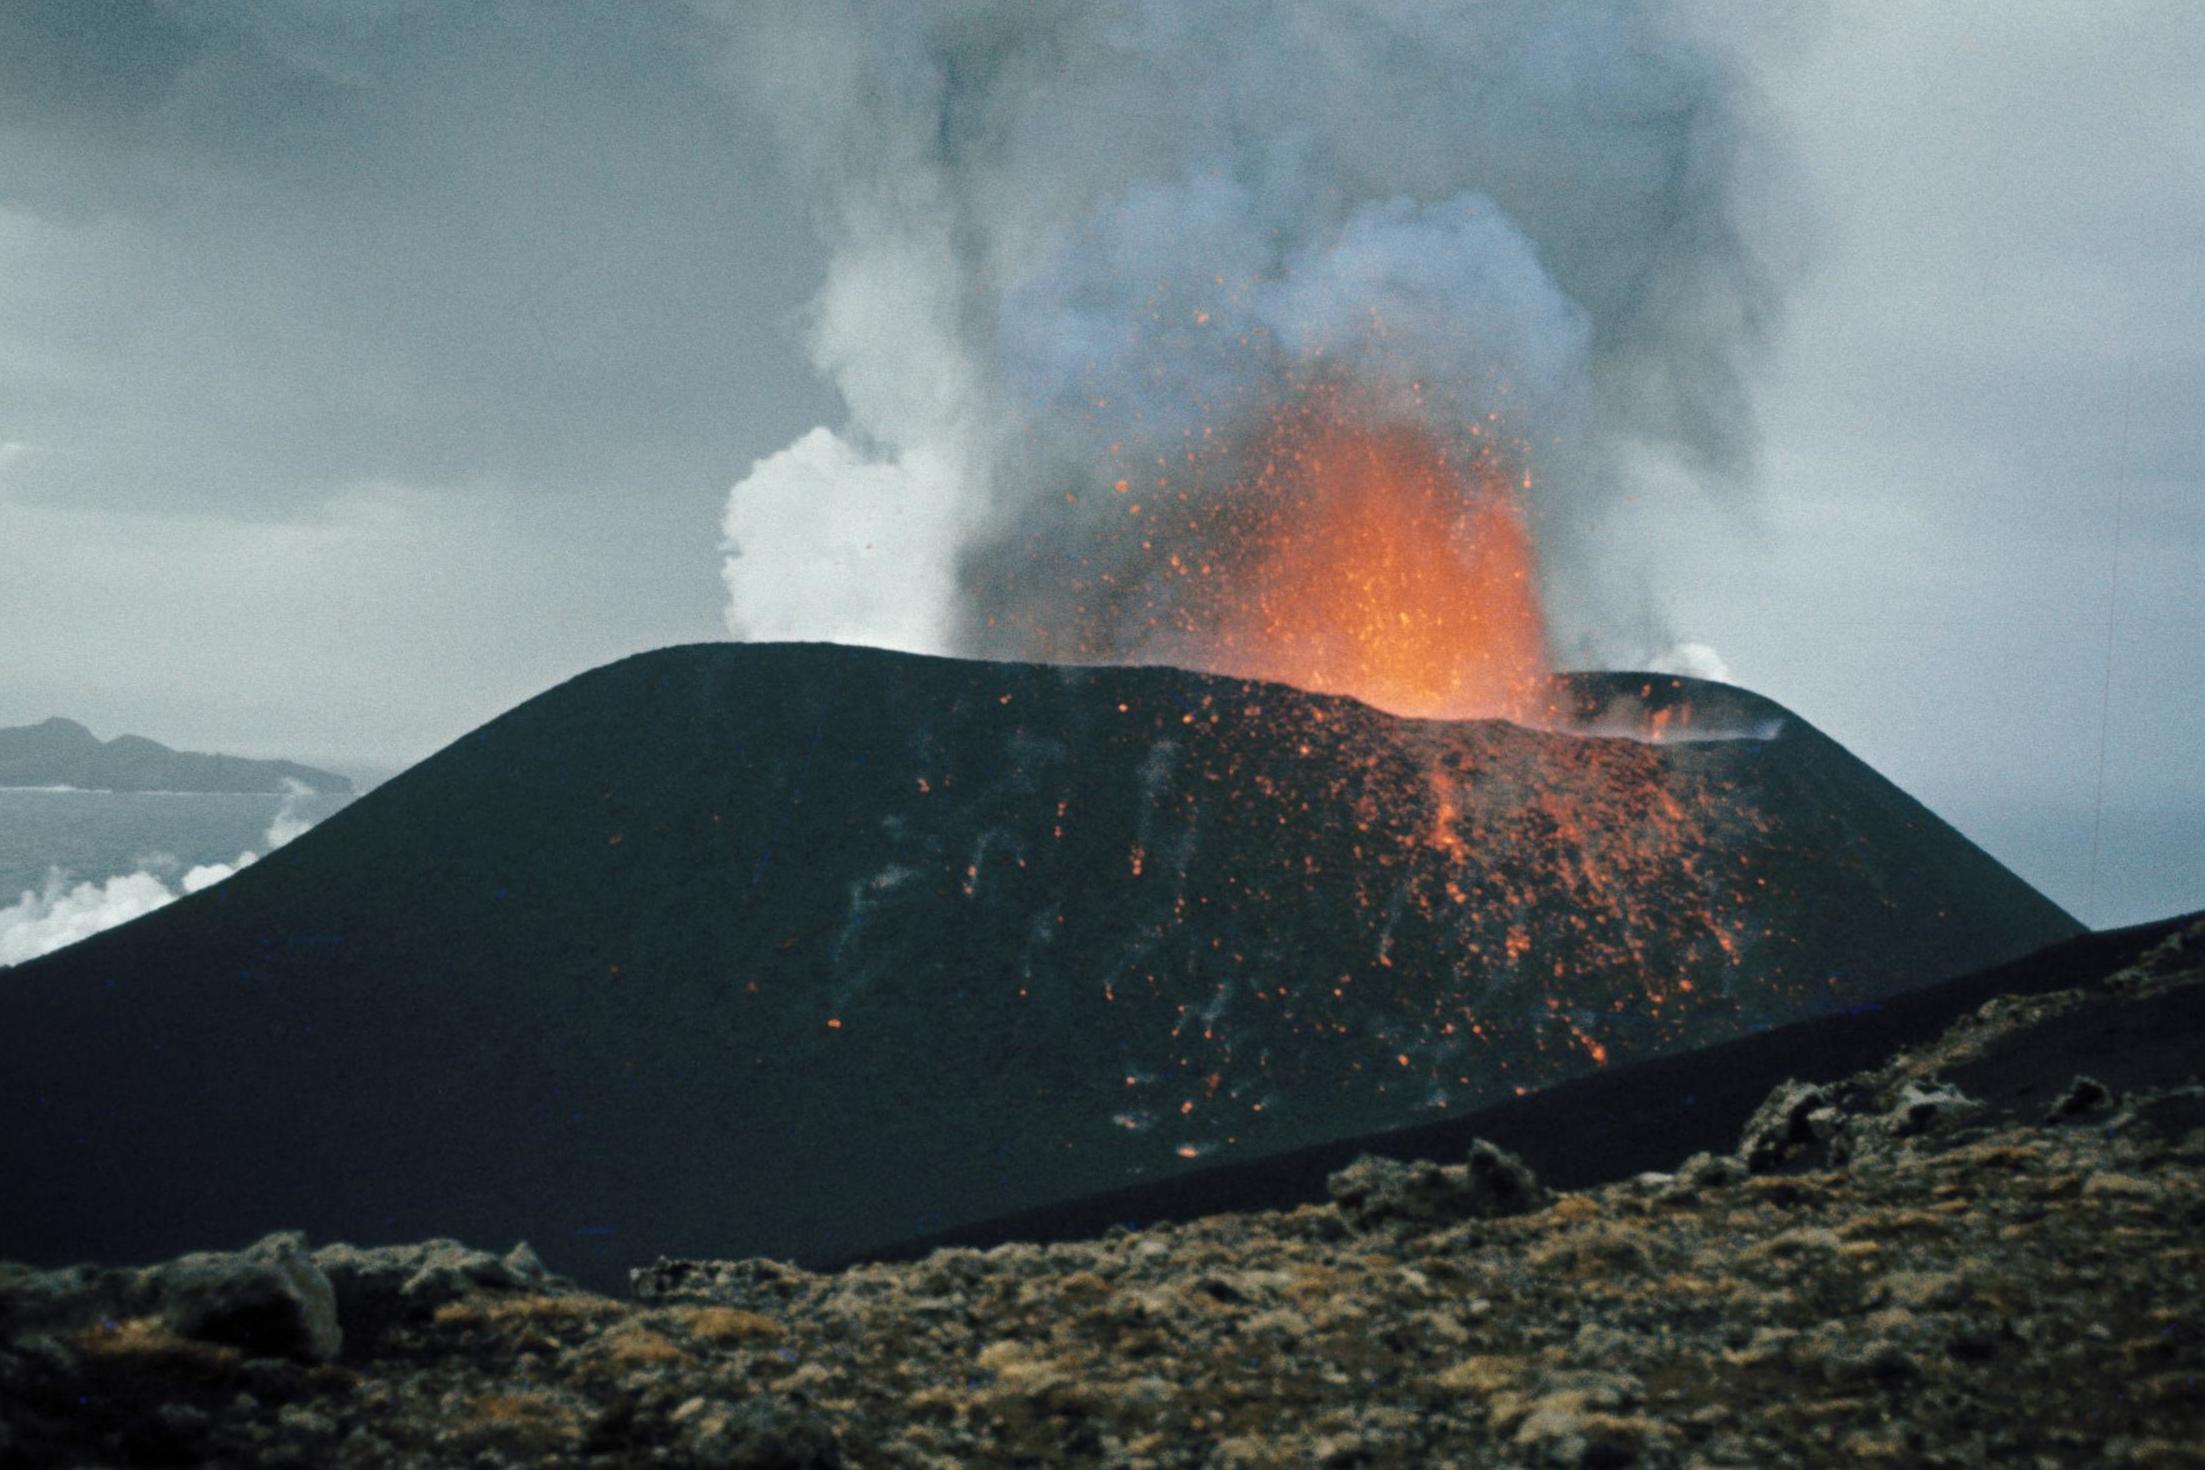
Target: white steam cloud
1067, 237
60, 913
1695, 660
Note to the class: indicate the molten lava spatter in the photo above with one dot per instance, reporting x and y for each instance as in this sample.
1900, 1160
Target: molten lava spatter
1343, 543
1502, 897
1370, 561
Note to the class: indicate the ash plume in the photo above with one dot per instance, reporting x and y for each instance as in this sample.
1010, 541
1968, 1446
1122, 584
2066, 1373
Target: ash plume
1078, 245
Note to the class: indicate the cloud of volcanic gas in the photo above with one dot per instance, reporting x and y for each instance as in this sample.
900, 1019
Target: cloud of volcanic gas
1154, 322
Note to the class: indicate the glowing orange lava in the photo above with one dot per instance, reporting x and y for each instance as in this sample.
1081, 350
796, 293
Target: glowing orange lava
1372, 562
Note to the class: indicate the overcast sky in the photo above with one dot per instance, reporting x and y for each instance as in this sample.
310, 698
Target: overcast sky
366, 368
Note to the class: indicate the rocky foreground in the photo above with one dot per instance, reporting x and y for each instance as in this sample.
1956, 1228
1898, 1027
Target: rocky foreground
1887, 1271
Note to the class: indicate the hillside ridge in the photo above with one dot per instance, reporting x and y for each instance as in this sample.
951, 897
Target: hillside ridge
956, 938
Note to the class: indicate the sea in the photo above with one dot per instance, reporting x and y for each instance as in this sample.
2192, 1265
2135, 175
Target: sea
74, 862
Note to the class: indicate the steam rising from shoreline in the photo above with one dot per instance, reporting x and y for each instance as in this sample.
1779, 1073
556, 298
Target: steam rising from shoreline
60, 913
1073, 244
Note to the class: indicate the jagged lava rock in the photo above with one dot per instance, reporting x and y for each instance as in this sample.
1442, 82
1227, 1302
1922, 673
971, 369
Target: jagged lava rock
1376, 1192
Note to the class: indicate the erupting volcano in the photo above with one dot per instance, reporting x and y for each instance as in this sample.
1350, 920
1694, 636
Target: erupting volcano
896, 943
893, 944
802, 950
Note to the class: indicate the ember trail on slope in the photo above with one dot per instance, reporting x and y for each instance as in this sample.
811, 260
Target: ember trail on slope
1509, 897
1342, 922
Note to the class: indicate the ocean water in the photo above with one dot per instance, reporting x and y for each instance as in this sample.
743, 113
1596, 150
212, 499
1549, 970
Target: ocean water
75, 862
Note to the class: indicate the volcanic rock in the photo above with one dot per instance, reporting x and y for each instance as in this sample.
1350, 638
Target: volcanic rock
1796, 1116
378, 1287
762, 1432
2084, 1095
1800, 1125
269, 1299
755, 1284
804, 951
1376, 1192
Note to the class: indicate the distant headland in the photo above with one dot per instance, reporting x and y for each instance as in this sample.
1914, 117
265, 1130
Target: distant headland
60, 752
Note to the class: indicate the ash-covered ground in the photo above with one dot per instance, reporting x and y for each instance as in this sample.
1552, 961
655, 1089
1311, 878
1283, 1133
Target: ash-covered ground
1969, 1255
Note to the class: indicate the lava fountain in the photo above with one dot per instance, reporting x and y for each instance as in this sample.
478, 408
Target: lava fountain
1343, 545
1373, 561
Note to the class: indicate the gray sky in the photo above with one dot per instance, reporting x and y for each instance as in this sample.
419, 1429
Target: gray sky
367, 368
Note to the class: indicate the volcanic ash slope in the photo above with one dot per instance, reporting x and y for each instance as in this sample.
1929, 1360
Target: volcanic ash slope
1968, 1256
875, 944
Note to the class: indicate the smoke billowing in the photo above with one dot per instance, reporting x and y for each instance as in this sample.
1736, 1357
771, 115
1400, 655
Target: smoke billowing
1082, 252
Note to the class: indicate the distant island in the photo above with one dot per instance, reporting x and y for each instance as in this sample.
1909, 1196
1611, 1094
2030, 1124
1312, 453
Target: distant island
61, 752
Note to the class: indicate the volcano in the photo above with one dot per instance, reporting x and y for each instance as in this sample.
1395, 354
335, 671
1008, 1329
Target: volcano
803, 950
